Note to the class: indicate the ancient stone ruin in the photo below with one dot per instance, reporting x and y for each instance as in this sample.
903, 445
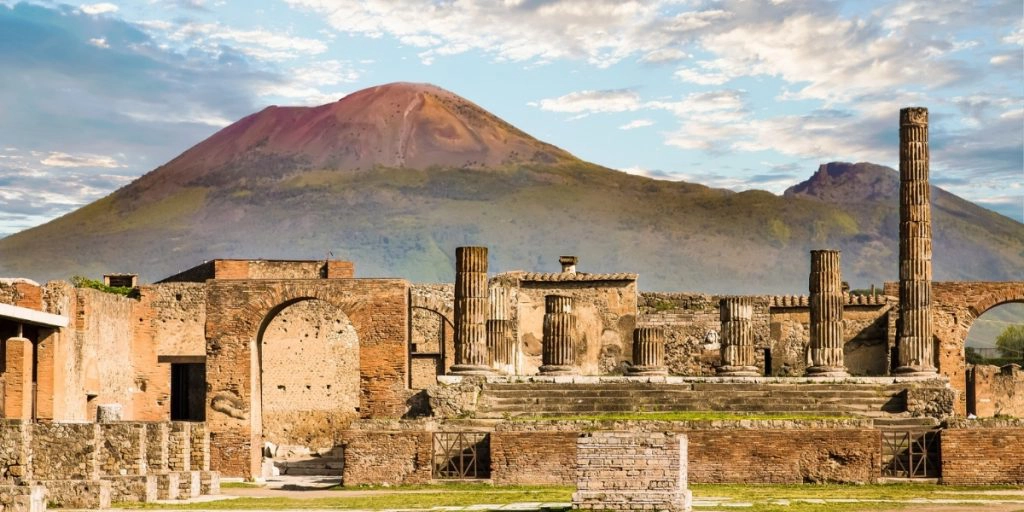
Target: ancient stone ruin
250, 368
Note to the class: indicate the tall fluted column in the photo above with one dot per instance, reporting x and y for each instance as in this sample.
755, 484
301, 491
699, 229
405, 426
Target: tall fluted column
471, 311
826, 287
559, 351
914, 332
648, 351
500, 343
737, 340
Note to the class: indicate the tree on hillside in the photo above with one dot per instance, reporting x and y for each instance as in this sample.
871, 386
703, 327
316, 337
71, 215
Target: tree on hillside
1011, 341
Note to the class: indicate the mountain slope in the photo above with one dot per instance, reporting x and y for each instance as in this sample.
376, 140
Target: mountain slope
397, 176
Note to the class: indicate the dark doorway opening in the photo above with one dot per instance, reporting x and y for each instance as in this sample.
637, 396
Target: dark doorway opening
188, 392
767, 362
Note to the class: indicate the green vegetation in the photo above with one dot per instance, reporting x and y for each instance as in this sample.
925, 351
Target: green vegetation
683, 416
761, 498
240, 485
85, 282
1011, 342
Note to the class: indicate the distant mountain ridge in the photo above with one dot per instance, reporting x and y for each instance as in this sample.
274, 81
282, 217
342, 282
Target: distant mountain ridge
396, 176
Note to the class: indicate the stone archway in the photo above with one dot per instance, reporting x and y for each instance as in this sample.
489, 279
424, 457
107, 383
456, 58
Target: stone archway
955, 307
237, 310
309, 375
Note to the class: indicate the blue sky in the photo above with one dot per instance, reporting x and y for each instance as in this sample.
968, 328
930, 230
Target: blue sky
732, 94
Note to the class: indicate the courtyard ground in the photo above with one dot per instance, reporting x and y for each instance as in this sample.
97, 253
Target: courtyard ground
307, 493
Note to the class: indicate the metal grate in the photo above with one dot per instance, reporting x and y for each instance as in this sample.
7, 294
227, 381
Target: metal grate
462, 455
910, 453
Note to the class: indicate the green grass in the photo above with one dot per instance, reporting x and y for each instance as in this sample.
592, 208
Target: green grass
240, 485
763, 498
682, 416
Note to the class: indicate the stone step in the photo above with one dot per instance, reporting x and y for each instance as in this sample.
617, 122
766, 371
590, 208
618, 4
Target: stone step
304, 471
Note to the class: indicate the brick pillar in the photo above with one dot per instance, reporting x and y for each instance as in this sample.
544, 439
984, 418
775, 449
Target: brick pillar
500, 343
18, 379
914, 329
826, 301
471, 311
737, 340
648, 351
559, 352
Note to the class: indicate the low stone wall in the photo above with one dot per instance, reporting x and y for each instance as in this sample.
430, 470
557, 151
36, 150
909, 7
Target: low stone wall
979, 454
387, 457
22, 498
90, 465
533, 458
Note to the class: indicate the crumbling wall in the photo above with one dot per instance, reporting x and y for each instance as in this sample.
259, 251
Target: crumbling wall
63, 451
692, 323
605, 317
432, 344
310, 363
995, 391
104, 324
533, 458
14, 452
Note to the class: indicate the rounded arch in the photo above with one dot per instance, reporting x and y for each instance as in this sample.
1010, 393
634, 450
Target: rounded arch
993, 300
308, 381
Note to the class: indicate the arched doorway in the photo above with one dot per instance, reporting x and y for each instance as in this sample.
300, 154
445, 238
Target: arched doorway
309, 380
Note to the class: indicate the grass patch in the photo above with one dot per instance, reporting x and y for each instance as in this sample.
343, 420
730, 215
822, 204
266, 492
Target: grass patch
683, 416
240, 485
405, 497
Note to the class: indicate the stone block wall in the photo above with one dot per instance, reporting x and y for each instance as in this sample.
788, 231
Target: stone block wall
157, 442
66, 451
995, 391
532, 458
199, 447
123, 449
179, 446
15, 456
387, 457
976, 455
631, 471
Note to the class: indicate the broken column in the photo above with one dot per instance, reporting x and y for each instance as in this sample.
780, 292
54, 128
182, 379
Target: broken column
648, 351
826, 303
471, 311
500, 343
914, 329
558, 356
737, 339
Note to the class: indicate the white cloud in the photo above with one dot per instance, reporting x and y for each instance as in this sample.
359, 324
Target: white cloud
259, 43
100, 8
701, 77
99, 42
587, 102
58, 159
637, 123
306, 84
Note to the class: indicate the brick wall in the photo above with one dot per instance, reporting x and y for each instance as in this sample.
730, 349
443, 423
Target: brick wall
387, 457
378, 310
533, 457
982, 456
179, 446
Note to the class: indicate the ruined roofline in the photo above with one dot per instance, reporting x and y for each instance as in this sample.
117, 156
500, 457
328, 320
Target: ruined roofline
555, 277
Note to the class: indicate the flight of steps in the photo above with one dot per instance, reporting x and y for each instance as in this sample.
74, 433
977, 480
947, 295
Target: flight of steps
559, 399
323, 464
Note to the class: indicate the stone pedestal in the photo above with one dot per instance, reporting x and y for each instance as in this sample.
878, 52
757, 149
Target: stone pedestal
826, 311
737, 339
632, 471
559, 344
648, 352
471, 311
914, 327
108, 413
